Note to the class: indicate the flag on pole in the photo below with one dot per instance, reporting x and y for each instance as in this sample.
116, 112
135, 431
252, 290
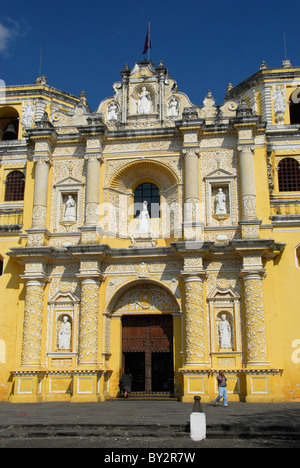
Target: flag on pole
147, 45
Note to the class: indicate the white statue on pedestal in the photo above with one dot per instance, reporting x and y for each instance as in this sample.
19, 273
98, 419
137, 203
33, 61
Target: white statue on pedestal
144, 102
279, 103
220, 202
70, 212
144, 226
64, 338
173, 107
224, 333
112, 112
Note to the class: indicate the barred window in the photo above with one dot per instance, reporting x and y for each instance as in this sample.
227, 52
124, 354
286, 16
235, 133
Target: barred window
15, 185
150, 193
289, 175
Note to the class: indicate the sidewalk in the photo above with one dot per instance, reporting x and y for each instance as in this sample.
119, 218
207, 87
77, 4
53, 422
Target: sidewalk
237, 420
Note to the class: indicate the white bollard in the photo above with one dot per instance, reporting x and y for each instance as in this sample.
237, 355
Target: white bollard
198, 426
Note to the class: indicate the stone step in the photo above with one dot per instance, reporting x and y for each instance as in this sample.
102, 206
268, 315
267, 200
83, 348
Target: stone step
218, 431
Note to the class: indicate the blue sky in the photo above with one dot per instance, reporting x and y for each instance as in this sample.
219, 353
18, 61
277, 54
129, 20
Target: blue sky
204, 44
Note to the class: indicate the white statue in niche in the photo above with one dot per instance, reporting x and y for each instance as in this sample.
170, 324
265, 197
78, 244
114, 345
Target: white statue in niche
144, 226
220, 202
112, 112
64, 337
173, 110
279, 103
70, 212
144, 101
28, 114
224, 333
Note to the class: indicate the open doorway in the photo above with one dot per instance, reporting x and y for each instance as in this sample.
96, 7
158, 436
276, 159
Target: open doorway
147, 342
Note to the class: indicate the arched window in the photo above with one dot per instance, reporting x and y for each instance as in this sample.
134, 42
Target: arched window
9, 123
150, 193
15, 185
295, 107
294, 113
288, 175
11, 131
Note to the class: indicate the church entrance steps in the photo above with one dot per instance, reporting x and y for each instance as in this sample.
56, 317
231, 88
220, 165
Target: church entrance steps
147, 396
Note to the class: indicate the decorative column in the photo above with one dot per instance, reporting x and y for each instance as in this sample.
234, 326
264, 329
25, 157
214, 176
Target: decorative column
92, 134
33, 317
162, 73
246, 124
44, 137
90, 277
247, 182
124, 102
193, 227
92, 189
39, 214
195, 353
254, 319
88, 329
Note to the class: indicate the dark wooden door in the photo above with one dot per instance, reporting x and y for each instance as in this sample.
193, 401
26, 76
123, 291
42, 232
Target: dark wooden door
147, 342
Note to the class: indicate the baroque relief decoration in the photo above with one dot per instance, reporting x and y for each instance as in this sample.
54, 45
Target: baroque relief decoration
146, 298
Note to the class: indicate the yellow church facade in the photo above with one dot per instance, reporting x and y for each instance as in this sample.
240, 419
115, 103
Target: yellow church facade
153, 234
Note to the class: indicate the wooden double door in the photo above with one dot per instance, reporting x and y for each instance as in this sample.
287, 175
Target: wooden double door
147, 344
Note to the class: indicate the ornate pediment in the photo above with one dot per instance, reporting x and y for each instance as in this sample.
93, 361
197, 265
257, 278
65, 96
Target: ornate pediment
226, 293
68, 181
146, 97
219, 173
63, 297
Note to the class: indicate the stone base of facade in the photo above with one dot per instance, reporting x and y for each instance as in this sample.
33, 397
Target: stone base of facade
73, 386
251, 386
256, 385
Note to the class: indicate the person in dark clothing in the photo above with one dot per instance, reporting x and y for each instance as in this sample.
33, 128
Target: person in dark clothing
126, 382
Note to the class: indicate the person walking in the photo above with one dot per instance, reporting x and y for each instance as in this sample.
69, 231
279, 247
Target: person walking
126, 382
222, 384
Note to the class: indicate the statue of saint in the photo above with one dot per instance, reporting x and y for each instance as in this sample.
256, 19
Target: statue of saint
224, 333
144, 102
112, 112
70, 212
279, 103
173, 107
64, 337
144, 226
220, 202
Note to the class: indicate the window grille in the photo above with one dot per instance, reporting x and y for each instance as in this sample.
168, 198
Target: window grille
15, 185
288, 175
150, 193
